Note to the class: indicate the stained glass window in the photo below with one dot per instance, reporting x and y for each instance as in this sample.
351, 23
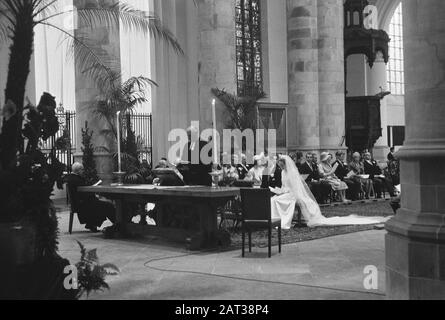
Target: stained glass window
248, 47
395, 70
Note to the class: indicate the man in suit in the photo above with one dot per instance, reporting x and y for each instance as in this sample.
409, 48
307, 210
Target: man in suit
376, 175
320, 189
241, 166
342, 172
195, 172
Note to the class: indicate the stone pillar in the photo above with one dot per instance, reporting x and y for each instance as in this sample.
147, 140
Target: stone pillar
415, 243
217, 56
331, 74
302, 47
175, 100
107, 41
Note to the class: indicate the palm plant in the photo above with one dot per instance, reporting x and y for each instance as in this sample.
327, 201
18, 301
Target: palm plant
117, 96
18, 18
241, 109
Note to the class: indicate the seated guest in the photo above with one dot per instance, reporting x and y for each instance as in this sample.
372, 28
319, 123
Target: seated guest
91, 211
391, 156
376, 175
342, 172
299, 159
358, 169
394, 171
256, 173
230, 173
327, 172
241, 166
320, 189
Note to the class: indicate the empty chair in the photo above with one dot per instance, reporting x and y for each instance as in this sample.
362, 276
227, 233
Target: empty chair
256, 215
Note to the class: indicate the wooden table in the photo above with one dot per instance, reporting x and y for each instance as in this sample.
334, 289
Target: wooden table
202, 204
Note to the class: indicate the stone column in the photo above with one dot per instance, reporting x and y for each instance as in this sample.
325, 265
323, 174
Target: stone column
107, 41
175, 100
377, 81
217, 60
331, 77
302, 47
415, 243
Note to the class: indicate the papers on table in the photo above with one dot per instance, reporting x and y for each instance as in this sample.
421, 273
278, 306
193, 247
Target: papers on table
140, 187
364, 176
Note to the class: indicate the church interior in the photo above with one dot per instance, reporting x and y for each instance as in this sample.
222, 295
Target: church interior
328, 76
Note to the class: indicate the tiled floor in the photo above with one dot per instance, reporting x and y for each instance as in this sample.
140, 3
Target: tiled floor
331, 268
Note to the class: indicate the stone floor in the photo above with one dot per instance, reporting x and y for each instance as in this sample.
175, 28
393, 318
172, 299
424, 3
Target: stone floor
331, 268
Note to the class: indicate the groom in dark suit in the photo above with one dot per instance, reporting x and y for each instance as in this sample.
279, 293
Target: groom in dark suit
195, 172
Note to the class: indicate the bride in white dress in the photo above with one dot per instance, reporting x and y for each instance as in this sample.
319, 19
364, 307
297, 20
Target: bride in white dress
294, 190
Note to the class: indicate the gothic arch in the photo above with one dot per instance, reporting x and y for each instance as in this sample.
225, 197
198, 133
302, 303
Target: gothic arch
386, 11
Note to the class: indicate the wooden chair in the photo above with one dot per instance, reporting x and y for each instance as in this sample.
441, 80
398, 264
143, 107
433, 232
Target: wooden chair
231, 212
256, 215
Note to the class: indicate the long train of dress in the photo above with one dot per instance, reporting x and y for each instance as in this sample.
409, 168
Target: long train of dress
294, 191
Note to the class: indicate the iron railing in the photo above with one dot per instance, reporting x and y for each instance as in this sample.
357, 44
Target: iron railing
65, 141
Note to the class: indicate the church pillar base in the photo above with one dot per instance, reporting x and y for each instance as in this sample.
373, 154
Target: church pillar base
415, 260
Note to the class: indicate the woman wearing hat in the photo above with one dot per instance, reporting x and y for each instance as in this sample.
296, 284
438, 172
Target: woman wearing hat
256, 173
327, 171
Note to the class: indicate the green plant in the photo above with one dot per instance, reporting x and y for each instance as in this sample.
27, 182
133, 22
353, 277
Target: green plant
90, 172
27, 187
116, 96
135, 171
91, 274
64, 142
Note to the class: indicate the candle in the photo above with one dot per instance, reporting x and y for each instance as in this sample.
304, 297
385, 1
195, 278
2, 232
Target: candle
118, 142
215, 153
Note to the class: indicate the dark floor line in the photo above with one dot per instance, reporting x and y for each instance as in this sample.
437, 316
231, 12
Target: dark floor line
147, 265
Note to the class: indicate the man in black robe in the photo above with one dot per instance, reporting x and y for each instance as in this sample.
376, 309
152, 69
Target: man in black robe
91, 211
195, 172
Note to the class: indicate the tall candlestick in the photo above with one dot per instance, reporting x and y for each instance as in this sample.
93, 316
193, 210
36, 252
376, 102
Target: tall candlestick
118, 141
215, 153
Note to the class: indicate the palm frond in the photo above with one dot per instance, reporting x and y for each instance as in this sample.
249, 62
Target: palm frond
129, 18
97, 64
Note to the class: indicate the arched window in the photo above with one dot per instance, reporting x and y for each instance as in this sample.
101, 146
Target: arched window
248, 47
395, 70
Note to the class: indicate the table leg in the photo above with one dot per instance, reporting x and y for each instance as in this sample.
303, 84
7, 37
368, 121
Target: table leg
209, 237
120, 218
